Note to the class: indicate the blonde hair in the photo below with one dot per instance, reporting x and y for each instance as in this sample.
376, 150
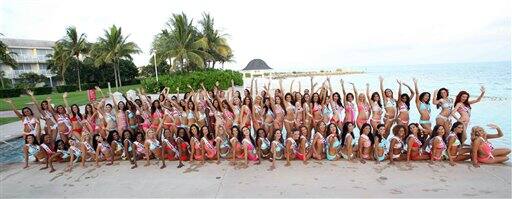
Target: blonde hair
474, 132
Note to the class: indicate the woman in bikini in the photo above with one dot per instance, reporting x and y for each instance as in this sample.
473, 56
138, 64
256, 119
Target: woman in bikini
90, 117
103, 150
365, 143
131, 112
61, 154
209, 150
263, 145
319, 141
305, 136
404, 105
277, 148
109, 118
152, 146
333, 143
414, 144
47, 149
120, 113
376, 107
31, 124
463, 107
139, 151
300, 114
363, 109
348, 141
280, 112
295, 147
88, 152
442, 100
247, 113
390, 105
195, 144
47, 115
423, 106
156, 114
223, 145
381, 144
249, 151
350, 115
269, 116
170, 147
183, 141
316, 110
396, 146
114, 139
32, 149
258, 113
338, 110
75, 117
456, 152
437, 145
308, 116
482, 150
129, 148
289, 118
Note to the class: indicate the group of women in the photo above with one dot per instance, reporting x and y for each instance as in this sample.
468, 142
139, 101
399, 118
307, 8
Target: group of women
316, 123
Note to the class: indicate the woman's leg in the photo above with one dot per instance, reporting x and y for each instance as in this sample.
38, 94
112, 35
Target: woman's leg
25, 155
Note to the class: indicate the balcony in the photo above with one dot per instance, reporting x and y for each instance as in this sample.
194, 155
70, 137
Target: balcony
14, 74
30, 58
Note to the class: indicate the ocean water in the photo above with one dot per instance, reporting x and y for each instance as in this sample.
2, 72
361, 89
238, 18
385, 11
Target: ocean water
495, 107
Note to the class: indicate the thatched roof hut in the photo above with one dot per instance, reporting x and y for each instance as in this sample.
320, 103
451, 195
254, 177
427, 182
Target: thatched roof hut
257, 64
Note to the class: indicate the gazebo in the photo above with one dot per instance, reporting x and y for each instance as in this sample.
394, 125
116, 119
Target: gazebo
256, 68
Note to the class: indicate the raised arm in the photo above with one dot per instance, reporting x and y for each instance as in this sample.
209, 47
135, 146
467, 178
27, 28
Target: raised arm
330, 86
66, 105
311, 83
33, 99
381, 80
482, 92
417, 92
9, 101
114, 103
368, 93
498, 129
355, 91
344, 92
434, 99
410, 89
291, 86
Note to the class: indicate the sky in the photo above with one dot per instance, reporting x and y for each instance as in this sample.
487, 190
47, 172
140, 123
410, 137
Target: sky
286, 34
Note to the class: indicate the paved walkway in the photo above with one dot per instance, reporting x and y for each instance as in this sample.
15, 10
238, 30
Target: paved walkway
317, 179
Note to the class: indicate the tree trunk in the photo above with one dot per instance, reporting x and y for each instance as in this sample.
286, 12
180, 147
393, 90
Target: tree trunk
213, 64
78, 68
119, 75
2, 80
63, 78
115, 76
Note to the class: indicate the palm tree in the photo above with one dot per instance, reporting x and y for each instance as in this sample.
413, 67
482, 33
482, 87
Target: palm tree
217, 44
113, 47
5, 57
59, 60
182, 44
75, 45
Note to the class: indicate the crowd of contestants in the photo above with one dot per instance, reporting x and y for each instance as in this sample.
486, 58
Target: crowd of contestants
315, 123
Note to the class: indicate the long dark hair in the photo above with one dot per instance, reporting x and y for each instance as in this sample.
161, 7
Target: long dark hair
110, 136
94, 141
123, 137
344, 132
267, 108
258, 133
280, 137
64, 145
44, 102
420, 135
239, 135
407, 102
423, 95
459, 99
291, 97
31, 112
227, 105
329, 130
153, 106
185, 134
250, 102
35, 142
131, 106
378, 101
338, 102
199, 133
77, 112
438, 97
376, 132
250, 137
454, 126
369, 133
124, 106
87, 111
349, 94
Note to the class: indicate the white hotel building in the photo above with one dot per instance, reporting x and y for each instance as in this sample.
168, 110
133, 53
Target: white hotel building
31, 56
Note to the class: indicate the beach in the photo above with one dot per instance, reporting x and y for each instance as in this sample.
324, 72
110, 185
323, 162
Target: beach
316, 179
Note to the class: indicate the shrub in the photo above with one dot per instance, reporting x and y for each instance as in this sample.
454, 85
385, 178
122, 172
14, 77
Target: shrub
42, 90
87, 86
182, 79
10, 92
67, 88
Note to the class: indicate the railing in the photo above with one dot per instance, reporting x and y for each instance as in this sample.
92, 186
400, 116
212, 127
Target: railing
30, 58
17, 73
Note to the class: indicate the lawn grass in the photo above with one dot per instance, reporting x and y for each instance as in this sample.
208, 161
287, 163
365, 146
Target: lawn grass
6, 120
77, 97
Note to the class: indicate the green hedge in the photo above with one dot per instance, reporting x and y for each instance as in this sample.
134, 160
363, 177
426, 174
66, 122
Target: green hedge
66, 88
42, 90
10, 92
181, 79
